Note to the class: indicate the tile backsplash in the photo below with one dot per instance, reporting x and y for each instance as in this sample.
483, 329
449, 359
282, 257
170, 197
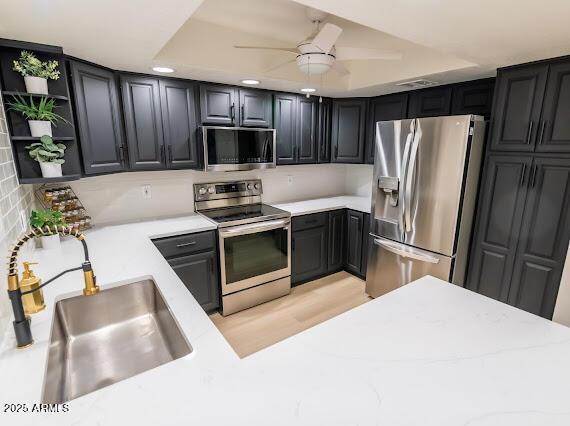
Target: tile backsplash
15, 203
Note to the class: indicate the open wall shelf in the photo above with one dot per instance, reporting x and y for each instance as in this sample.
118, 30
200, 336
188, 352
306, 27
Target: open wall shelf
12, 84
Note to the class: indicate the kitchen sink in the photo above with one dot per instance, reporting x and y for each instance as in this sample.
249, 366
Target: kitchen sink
108, 337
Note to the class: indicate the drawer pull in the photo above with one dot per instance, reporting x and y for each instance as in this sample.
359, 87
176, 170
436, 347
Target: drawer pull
191, 243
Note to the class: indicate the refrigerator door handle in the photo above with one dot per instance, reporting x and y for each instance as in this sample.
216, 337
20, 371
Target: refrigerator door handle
410, 178
406, 251
406, 159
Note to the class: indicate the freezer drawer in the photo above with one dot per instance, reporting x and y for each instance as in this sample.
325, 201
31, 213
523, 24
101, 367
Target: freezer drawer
392, 265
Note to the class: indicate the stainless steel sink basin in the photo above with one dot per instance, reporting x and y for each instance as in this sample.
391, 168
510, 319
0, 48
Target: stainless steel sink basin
102, 339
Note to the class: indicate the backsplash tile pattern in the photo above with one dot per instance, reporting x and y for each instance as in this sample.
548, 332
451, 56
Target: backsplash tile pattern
15, 200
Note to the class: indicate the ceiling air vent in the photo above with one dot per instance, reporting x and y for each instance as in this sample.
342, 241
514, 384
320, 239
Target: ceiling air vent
417, 84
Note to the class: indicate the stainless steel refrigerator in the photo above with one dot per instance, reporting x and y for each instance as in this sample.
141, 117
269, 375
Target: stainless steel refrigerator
426, 173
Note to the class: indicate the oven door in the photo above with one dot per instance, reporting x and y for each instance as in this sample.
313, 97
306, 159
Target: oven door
254, 254
238, 148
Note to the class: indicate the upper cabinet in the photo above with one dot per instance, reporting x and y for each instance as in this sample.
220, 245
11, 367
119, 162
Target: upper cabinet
143, 122
178, 106
348, 130
432, 102
519, 95
98, 118
230, 106
383, 108
473, 97
296, 124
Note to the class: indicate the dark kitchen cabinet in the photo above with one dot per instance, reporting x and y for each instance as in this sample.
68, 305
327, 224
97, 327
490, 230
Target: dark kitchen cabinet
308, 247
98, 118
306, 138
502, 200
295, 119
143, 122
365, 242
355, 229
432, 102
473, 97
554, 131
324, 130
255, 108
199, 273
544, 236
517, 106
336, 240
348, 130
218, 104
383, 108
178, 106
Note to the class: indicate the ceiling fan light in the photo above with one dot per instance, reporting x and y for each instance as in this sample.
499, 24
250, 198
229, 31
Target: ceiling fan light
315, 63
250, 81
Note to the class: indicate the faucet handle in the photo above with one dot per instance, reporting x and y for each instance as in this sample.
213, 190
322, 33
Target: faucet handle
27, 271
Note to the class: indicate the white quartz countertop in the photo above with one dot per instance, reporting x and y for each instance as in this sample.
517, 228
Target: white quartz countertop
429, 353
298, 208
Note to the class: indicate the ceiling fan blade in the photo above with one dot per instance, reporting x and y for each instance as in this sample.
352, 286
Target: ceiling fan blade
282, 64
340, 68
283, 49
362, 53
327, 37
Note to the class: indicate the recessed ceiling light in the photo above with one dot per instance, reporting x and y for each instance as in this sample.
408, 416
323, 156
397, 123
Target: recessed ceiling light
162, 69
250, 81
308, 90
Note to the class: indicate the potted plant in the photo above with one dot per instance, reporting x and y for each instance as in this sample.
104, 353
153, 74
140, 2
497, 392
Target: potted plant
40, 115
36, 72
50, 218
49, 155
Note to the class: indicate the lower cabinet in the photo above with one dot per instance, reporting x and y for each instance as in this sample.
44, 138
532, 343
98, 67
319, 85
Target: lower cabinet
337, 238
309, 254
194, 258
358, 227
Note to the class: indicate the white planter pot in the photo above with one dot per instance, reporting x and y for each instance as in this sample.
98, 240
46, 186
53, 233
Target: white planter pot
38, 128
50, 242
50, 169
36, 85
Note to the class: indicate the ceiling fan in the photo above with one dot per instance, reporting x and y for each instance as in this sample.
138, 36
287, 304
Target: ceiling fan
318, 54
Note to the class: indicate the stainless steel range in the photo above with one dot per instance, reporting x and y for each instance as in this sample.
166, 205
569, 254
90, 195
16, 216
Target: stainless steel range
254, 242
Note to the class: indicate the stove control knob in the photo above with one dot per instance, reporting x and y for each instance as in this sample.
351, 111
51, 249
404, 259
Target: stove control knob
211, 190
257, 186
202, 191
250, 186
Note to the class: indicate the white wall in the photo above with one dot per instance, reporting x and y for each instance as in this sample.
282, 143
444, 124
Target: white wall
119, 198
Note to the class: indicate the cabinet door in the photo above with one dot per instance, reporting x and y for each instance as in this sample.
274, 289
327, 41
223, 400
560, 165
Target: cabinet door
473, 97
306, 130
354, 223
543, 240
98, 118
143, 123
518, 100
383, 108
502, 199
285, 110
199, 273
178, 104
554, 132
348, 130
434, 102
218, 104
365, 242
309, 254
336, 240
324, 130
255, 108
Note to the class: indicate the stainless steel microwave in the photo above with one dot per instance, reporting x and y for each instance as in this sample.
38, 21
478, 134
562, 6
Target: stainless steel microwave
237, 148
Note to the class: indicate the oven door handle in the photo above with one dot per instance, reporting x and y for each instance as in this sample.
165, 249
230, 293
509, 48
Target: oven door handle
255, 227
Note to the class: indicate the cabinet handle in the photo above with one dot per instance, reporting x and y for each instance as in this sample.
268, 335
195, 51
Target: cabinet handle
162, 154
232, 111
522, 174
529, 133
122, 153
533, 178
170, 153
191, 243
542, 128
336, 152
242, 113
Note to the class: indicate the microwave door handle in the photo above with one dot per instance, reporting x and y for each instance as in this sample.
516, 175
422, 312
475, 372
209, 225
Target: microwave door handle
410, 178
406, 158
406, 251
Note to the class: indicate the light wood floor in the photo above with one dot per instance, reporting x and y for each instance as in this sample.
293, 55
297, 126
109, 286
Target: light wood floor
309, 304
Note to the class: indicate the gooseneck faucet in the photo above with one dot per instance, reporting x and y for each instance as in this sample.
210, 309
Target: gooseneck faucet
21, 321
